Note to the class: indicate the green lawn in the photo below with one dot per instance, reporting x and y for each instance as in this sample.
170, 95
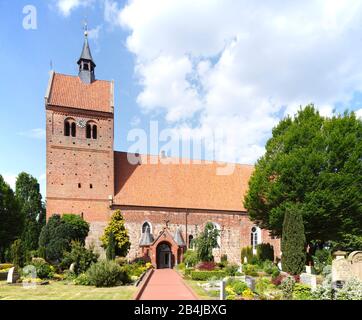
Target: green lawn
62, 291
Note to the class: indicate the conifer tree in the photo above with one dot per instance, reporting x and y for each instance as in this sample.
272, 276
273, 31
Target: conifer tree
293, 241
111, 247
117, 227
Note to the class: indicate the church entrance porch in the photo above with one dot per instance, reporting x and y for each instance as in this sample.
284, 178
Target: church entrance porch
165, 251
164, 256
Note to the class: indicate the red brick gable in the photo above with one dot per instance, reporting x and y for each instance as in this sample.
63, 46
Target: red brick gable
70, 91
193, 186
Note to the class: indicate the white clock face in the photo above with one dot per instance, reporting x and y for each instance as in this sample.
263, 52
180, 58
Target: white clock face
81, 123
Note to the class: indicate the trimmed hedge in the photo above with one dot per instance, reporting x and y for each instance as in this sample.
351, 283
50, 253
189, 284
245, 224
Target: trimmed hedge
206, 275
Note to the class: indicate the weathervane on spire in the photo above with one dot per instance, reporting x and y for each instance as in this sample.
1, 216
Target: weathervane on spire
85, 27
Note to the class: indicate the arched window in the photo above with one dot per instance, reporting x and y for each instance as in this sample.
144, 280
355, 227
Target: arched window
255, 237
191, 241
91, 130
88, 131
73, 129
146, 225
66, 128
94, 132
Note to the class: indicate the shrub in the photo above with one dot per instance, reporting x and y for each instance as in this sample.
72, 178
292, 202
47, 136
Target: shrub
117, 227
82, 280
293, 241
231, 269
239, 287
247, 252
324, 291
321, 259
106, 274
56, 236
120, 260
207, 241
17, 253
352, 290
206, 275
276, 272
206, 265
301, 292
230, 293
80, 256
262, 285
181, 266
250, 270
191, 258
278, 280
247, 294
265, 251
188, 271
43, 269
287, 287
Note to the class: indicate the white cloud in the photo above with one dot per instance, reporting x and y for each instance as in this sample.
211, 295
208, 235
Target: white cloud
67, 6
94, 33
359, 113
241, 65
10, 178
37, 133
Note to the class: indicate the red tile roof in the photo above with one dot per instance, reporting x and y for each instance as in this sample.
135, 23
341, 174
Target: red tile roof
192, 186
70, 91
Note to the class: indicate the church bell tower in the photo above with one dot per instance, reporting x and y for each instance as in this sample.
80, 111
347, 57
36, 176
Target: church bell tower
79, 142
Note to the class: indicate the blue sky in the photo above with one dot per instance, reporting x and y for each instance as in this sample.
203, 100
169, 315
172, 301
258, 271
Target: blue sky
195, 67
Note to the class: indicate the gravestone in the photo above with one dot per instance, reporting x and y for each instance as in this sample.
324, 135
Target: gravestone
250, 282
355, 259
341, 270
222, 289
13, 275
309, 279
308, 269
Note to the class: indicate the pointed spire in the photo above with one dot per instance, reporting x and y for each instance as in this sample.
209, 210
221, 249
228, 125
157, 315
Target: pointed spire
85, 62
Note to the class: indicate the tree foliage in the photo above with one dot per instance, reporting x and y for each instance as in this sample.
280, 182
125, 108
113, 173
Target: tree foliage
56, 236
117, 227
27, 193
207, 241
11, 218
111, 247
293, 242
315, 163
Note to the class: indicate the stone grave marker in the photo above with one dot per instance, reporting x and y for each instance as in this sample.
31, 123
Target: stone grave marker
341, 270
355, 259
250, 282
309, 280
13, 275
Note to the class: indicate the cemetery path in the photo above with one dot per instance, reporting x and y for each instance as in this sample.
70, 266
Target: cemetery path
167, 284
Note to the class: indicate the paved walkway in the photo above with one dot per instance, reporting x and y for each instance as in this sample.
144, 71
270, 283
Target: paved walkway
167, 284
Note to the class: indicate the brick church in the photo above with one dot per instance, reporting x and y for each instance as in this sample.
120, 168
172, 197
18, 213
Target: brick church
165, 206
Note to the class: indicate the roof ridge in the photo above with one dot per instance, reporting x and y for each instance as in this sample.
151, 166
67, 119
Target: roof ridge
76, 76
190, 159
